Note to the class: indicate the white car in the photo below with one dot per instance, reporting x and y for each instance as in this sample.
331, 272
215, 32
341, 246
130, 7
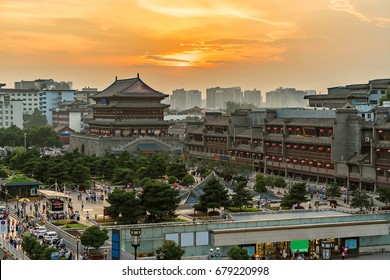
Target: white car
50, 237
39, 232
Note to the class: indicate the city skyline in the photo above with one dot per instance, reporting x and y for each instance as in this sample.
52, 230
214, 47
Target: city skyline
196, 44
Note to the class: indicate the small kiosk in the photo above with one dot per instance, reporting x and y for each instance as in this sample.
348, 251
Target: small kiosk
55, 204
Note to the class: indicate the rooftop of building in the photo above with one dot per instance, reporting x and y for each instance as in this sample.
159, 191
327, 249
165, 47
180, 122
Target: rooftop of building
133, 87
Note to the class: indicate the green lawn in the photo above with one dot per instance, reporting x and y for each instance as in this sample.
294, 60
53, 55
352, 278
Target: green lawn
19, 178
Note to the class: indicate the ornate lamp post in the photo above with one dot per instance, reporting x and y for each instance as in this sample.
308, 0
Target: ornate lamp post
135, 239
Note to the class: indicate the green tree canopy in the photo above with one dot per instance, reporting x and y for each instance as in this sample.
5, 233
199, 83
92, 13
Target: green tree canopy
333, 190
297, 196
260, 184
94, 237
80, 174
159, 199
215, 195
126, 203
279, 182
238, 253
385, 97
188, 179
242, 196
169, 251
35, 250
384, 196
359, 200
42, 136
36, 119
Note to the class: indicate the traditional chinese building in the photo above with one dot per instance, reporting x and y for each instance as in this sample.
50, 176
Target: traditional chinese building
129, 107
128, 115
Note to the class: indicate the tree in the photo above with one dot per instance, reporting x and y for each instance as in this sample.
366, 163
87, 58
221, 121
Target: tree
296, 196
169, 251
36, 119
94, 237
80, 174
126, 203
359, 200
384, 196
279, 182
35, 250
333, 191
159, 199
188, 179
177, 168
172, 179
215, 195
42, 136
238, 253
260, 184
385, 97
242, 195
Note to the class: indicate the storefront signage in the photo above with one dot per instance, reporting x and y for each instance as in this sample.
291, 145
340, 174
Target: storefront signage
57, 207
351, 243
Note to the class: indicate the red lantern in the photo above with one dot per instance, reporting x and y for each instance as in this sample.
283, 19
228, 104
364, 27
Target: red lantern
268, 128
319, 164
321, 131
288, 160
312, 148
267, 157
380, 131
378, 150
295, 161
280, 145
273, 144
328, 149
289, 146
388, 170
289, 129
295, 146
254, 155
282, 129
378, 169
310, 163
328, 165
320, 149
304, 147
303, 162
267, 144
330, 131
280, 159
275, 128
247, 153
273, 158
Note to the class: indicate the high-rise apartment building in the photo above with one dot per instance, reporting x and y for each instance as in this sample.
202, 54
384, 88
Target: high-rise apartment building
11, 111
287, 98
252, 97
182, 99
217, 97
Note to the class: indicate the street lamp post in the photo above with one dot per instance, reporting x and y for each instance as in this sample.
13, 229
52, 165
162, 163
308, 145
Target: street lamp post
6, 198
77, 247
25, 141
135, 239
17, 206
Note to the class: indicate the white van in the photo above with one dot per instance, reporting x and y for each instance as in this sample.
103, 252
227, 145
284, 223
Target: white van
50, 237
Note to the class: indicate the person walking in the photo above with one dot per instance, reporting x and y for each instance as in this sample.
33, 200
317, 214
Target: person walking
87, 216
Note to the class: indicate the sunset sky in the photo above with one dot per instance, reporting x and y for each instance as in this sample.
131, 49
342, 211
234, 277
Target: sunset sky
197, 44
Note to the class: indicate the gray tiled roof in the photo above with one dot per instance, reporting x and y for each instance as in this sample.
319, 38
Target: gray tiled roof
133, 87
356, 158
323, 122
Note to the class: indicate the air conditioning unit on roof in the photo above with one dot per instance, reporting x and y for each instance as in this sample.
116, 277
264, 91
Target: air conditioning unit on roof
367, 139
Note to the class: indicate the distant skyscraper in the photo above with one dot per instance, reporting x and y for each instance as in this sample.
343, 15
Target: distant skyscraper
11, 111
182, 99
194, 98
252, 97
286, 98
217, 97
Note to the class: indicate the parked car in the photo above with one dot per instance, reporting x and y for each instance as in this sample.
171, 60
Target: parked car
50, 237
39, 231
